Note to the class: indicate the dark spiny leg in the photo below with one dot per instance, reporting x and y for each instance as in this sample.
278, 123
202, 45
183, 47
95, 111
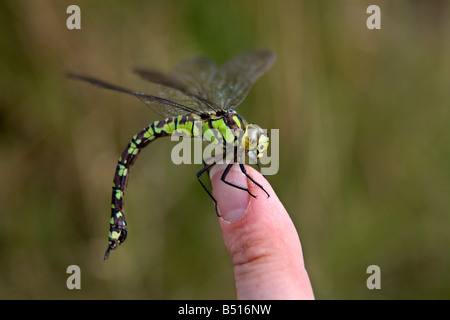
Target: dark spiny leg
251, 179
224, 175
199, 174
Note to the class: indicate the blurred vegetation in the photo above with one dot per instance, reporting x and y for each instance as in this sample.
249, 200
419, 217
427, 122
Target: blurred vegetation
364, 119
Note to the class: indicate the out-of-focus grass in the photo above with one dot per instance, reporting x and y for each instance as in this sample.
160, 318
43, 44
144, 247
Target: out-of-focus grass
364, 158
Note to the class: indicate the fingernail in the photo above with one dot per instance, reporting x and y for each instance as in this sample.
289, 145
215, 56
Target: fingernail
232, 202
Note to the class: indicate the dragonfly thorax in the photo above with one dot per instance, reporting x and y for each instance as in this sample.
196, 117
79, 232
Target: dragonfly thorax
232, 130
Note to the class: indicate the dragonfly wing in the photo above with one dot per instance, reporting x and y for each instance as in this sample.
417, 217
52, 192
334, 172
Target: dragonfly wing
196, 74
188, 83
165, 107
171, 88
162, 79
234, 79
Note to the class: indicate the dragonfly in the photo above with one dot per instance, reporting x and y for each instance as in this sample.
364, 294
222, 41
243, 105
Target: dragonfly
199, 99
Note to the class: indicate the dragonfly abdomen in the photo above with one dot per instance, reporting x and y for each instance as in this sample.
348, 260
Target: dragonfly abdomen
190, 124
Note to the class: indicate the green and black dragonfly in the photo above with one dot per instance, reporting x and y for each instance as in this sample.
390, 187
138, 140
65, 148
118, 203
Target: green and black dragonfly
197, 98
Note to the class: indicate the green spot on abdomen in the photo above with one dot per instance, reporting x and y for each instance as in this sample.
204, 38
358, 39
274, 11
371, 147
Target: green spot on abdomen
114, 235
119, 194
122, 170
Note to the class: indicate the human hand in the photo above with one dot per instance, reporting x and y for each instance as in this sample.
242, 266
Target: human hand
260, 238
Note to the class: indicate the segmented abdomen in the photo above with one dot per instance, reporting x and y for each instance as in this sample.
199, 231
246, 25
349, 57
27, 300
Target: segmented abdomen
157, 129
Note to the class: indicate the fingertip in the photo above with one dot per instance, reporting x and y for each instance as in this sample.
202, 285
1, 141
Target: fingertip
263, 244
232, 202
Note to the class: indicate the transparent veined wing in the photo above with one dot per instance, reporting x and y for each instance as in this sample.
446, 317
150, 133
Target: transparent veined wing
188, 83
234, 79
196, 73
197, 85
165, 107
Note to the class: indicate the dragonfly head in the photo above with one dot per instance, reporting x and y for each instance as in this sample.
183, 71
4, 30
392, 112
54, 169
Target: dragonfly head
256, 141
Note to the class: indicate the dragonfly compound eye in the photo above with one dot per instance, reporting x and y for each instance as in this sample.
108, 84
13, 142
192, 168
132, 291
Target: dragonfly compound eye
250, 137
256, 141
263, 143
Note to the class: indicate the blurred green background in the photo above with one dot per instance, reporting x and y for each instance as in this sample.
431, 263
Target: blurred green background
364, 119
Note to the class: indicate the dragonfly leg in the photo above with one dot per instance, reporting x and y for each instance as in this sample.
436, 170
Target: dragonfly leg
224, 175
199, 174
251, 179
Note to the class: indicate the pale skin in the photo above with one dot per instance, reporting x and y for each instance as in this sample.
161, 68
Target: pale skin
261, 239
